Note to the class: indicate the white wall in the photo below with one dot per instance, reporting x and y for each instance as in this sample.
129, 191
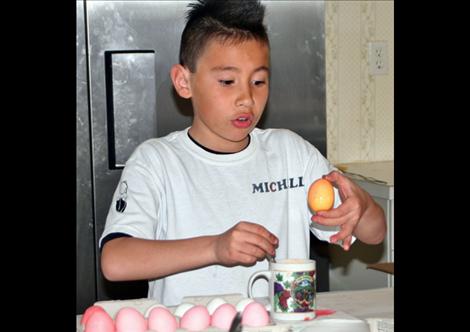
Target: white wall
359, 106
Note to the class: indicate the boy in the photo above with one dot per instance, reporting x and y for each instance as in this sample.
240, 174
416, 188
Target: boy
197, 212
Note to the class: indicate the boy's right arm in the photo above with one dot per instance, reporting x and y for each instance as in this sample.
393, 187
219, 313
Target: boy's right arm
130, 258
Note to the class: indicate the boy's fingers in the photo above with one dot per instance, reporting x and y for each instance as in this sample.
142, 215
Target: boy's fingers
328, 221
260, 231
333, 177
346, 230
347, 243
253, 243
335, 212
254, 251
246, 259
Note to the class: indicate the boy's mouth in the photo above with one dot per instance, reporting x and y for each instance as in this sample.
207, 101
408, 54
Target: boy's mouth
243, 121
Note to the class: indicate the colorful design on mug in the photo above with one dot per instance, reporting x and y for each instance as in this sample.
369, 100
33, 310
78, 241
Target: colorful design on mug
294, 292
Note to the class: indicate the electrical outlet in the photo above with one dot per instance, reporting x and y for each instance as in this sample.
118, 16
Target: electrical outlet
378, 58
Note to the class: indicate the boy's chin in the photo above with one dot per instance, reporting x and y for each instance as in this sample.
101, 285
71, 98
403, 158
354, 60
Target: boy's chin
241, 137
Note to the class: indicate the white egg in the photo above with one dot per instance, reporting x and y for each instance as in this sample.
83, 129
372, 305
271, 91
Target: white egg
214, 304
182, 308
243, 303
147, 312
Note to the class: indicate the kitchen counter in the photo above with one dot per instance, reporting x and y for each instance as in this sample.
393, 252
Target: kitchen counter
377, 177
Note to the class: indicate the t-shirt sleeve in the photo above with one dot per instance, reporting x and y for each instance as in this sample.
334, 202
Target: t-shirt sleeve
112, 236
135, 207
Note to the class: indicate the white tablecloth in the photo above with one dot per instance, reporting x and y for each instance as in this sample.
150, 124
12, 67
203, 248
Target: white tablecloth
360, 305
370, 303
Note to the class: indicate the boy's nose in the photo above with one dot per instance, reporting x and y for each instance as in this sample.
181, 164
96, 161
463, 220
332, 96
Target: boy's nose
245, 97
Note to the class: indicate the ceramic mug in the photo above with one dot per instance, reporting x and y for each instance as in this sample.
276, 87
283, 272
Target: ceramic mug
292, 288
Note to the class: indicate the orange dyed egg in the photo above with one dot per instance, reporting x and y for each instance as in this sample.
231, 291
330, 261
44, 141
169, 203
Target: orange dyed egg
321, 195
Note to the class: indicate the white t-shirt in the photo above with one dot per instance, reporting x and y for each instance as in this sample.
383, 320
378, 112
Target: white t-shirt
172, 189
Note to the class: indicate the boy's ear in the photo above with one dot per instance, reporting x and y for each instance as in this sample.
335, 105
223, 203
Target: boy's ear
180, 78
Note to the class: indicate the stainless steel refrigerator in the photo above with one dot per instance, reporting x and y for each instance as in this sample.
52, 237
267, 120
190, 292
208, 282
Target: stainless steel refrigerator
124, 96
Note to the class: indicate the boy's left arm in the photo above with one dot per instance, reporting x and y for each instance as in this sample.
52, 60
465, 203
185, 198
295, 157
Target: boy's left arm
358, 214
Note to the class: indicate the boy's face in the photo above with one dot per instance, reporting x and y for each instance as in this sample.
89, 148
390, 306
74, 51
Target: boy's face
229, 91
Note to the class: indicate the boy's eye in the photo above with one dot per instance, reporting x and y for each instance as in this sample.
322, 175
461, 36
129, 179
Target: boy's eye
226, 82
259, 83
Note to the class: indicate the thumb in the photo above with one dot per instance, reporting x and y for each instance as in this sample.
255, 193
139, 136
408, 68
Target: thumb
333, 176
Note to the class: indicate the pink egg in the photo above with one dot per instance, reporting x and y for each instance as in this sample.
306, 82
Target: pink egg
223, 316
162, 320
196, 318
255, 315
88, 312
182, 308
130, 320
214, 304
99, 321
243, 303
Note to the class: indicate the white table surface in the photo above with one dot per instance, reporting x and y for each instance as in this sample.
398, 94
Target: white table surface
360, 304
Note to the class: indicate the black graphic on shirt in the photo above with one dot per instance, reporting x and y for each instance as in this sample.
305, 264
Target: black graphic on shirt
284, 184
121, 202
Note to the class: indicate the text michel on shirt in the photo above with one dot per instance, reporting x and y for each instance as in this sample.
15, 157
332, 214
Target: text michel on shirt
266, 187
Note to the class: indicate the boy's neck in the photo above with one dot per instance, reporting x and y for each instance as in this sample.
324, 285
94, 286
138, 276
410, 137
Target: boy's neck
213, 151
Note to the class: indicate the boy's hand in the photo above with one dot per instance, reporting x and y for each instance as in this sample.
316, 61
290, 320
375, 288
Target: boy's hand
354, 203
244, 244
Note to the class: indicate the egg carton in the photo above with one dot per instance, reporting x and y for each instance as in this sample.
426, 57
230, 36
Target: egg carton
337, 322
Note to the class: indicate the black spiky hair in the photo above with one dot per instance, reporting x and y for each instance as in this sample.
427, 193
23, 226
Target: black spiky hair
234, 20
238, 14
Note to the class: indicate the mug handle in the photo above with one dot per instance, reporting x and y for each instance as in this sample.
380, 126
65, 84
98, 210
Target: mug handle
255, 276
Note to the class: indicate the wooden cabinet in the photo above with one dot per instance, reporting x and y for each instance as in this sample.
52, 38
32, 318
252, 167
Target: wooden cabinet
348, 269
